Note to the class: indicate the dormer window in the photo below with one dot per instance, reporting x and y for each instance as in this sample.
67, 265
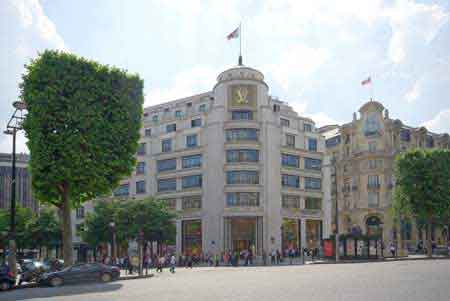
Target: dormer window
189, 104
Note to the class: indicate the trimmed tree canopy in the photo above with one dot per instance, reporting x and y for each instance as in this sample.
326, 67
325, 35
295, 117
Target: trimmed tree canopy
82, 125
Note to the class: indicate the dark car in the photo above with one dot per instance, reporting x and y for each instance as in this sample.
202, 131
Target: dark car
7, 279
85, 272
32, 270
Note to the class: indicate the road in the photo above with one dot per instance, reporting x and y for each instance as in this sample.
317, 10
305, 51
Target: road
401, 280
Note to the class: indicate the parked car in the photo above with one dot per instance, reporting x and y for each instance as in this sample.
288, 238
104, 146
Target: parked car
85, 272
7, 279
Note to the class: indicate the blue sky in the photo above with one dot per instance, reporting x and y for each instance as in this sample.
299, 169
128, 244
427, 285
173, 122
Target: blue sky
314, 54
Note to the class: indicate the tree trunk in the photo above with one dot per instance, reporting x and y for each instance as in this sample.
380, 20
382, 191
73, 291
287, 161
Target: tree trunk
429, 240
67, 229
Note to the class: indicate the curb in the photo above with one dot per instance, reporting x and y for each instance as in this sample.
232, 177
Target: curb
382, 260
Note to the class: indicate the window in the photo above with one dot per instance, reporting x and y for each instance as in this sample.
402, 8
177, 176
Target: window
290, 140
373, 164
242, 199
191, 181
141, 149
122, 190
167, 185
373, 199
140, 187
313, 203
284, 122
196, 122
189, 104
372, 146
167, 164
290, 160
166, 111
166, 145
155, 118
429, 142
202, 108
373, 181
191, 202
242, 155
242, 134
313, 183
171, 127
307, 127
191, 141
290, 181
79, 212
140, 168
312, 144
242, 177
171, 203
192, 161
242, 115
332, 142
315, 164
79, 228
405, 135
178, 114
148, 132
290, 201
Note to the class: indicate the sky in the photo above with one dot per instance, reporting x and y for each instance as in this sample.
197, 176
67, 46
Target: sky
314, 54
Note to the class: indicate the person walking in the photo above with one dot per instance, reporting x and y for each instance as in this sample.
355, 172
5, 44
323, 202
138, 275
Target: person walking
272, 257
173, 263
392, 249
278, 254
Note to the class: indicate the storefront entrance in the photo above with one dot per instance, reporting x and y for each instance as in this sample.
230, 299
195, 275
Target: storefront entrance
243, 233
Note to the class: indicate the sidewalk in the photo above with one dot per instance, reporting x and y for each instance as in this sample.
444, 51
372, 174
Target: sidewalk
385, 259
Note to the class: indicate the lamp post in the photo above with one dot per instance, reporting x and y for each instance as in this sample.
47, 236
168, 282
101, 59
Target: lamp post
112, 225
14, 125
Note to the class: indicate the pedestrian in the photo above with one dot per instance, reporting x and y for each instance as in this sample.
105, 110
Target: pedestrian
278, 254
161, 262
272, 257
264, 257
392, 249
189, 261
173, 263
291, 255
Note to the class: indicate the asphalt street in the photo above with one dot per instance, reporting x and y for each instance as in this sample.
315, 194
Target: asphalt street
401, 280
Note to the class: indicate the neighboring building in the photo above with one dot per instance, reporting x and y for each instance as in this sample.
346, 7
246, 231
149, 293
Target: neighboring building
24, 195
241, 168
363, 152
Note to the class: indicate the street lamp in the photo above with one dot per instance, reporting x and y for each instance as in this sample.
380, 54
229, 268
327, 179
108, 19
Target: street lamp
112, 225
14, 125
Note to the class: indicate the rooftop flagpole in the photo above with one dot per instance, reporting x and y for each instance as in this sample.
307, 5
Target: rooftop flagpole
240, 44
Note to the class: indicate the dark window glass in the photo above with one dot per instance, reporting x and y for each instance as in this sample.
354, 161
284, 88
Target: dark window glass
290, 140
140, 168
290, 201
202, 108
167, 185
290, 181
242, 115
313, 183
191, 181
122, 190
140, 187
242, 155
196, 122
242, 177
332, 142
191, 140
313, 163
166, 145
405, 135
307, 127
168, 164
171, 127
284, 122
191, 202
242, 134
148, 132
312, 145
192, 161
290, 160
430, 141
141, 149
313, 203
242, 199
80, 212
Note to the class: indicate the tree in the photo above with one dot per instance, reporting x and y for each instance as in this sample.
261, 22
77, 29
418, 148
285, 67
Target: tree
82, 127
23, 218
423, 187
44, 229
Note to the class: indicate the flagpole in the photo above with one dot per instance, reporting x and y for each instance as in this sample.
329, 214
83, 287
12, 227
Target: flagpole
240, 44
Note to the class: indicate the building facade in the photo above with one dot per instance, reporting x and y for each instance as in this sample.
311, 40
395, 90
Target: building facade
24, 195
240, 167
360, 161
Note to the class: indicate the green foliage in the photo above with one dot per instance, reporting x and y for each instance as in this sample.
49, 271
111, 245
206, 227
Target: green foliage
82, 126
151, 216
45, 229
423, 183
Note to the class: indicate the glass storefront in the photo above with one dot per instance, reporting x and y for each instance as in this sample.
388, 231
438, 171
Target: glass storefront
243, 233
313, 233
192, 237
290, 234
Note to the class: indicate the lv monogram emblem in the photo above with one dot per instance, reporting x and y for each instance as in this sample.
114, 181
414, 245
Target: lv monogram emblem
241, 96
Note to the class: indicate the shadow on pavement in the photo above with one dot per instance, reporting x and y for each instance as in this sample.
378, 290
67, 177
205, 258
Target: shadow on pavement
67, 290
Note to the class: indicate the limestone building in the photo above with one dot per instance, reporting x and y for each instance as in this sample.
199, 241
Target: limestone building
360, 155
241, 168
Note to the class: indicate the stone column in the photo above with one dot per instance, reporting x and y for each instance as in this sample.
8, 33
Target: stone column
303, 233
178, 237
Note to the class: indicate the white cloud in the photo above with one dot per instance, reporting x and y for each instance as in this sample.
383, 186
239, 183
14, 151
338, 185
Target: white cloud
186, 83
414, 93
322, 118
440, 123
